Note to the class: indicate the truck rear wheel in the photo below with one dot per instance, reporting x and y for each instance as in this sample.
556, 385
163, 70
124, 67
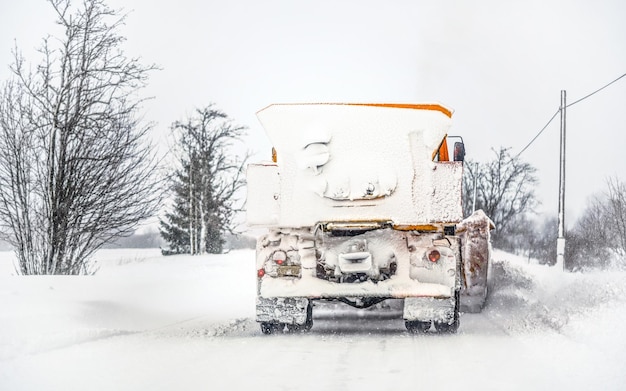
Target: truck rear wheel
417, 326
295, 328
270, 328
449, 328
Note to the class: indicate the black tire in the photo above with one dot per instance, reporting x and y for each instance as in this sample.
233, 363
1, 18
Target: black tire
417, 326
266, 328
298, 328
270, 328
447, 328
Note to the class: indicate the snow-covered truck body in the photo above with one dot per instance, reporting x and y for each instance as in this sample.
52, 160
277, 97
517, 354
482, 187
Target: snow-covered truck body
362, 203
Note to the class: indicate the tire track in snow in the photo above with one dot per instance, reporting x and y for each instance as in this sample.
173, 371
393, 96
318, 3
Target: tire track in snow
195, 327
59, 341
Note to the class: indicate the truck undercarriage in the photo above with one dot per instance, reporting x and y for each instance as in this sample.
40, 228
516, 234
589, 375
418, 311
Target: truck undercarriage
360, 268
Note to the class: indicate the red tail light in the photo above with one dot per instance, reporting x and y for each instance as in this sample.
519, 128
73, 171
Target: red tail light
260, 273
279, 257
434, 256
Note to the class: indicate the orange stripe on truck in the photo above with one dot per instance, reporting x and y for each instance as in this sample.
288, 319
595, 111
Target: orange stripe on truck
412, 106
420, 106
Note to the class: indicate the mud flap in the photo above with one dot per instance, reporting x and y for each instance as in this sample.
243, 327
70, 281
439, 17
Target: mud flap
426, 309
290, 310
475, 254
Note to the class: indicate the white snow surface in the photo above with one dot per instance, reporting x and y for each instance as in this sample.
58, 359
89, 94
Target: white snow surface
148, 322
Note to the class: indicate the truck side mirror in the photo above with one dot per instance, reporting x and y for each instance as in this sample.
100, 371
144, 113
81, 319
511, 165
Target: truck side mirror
459, 151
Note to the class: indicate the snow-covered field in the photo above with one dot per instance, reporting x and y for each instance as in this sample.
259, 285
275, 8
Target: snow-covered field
147, 322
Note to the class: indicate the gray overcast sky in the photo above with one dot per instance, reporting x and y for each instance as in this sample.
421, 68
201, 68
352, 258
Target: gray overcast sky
499, 64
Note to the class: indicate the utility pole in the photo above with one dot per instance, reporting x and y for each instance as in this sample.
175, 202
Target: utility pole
192, 245
560, 241
475, 180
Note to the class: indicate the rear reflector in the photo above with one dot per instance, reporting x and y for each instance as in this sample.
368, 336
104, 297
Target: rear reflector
279, 257
434, 256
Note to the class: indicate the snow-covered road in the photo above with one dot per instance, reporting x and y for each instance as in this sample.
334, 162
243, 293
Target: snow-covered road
147, 322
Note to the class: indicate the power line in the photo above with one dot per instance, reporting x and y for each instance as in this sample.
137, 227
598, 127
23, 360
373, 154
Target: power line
559, 109
538, 134
596, 91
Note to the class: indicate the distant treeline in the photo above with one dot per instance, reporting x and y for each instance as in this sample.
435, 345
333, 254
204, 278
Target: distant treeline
154, 240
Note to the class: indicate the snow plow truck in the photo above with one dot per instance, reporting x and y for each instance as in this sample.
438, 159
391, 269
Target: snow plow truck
362, 203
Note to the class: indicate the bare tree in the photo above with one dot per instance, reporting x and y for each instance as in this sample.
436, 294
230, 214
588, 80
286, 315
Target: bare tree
599, 236
536, 238
504, 191
615, 212
75, 170
205, 183
587, 243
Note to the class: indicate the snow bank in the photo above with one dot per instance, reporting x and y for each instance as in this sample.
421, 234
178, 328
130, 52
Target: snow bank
133, 291
530, 298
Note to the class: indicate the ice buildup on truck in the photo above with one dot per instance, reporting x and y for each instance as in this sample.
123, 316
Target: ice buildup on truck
363, 203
